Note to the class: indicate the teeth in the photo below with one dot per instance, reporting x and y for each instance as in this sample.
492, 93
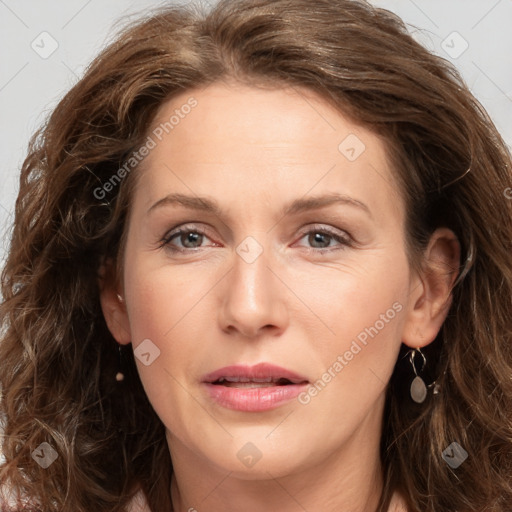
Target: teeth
249, 384
245, 379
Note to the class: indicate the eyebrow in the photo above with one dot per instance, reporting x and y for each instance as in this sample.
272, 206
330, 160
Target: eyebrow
300, 205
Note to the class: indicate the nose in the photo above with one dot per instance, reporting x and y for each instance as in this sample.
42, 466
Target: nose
253, 302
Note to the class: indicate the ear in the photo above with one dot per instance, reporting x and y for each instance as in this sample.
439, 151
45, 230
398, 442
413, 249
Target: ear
114, 309
431, 290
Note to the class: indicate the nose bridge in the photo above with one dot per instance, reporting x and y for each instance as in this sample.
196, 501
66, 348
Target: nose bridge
251, 276
252, 297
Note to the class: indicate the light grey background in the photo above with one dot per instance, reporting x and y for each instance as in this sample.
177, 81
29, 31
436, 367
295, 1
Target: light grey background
32, 82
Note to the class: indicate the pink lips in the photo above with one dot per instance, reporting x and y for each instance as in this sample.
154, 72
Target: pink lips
253, 388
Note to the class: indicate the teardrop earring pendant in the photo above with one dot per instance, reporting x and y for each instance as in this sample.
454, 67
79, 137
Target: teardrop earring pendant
418, 389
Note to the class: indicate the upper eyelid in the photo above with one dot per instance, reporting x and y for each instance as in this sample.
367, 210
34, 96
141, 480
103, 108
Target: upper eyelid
184, 228
322, 227
191, 226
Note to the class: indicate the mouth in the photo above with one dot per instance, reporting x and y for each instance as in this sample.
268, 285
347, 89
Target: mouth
260, 375
253, 388
244, 382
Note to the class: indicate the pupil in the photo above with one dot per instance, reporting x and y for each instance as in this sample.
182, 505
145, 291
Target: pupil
190, 238
318, 238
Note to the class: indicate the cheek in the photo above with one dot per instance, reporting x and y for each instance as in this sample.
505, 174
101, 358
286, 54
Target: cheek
161, 297
356, 295
165, 307
364, 311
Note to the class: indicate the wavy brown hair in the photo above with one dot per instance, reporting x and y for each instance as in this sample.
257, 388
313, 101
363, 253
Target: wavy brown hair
58, 358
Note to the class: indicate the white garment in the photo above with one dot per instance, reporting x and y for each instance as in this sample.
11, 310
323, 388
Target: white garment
138, 503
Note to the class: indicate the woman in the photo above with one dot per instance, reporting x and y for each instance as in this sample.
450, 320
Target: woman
261, 261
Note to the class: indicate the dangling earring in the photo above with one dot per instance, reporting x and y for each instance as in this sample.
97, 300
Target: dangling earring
418, 387
120, 374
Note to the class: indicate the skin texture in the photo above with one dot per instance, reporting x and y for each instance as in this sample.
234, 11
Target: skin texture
299, 304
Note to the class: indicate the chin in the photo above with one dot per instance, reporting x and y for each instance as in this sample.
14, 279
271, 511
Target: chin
257, 460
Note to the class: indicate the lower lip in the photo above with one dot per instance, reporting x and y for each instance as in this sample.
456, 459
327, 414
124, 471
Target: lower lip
253, 399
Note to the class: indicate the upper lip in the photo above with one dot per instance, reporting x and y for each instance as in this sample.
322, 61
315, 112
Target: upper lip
263, 372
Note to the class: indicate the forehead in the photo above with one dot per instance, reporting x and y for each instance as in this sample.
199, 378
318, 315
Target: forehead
268, 116
234, 139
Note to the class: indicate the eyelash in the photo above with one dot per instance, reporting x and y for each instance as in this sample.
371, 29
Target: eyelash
344, 241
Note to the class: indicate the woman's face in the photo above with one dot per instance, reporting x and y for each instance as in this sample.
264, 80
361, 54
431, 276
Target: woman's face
279, 253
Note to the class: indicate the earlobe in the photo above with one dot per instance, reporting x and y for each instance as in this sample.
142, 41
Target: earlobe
431, 291
114, 309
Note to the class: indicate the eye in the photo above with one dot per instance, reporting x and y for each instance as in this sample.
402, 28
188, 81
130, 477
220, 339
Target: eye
326, 238
319, 239
184, 239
